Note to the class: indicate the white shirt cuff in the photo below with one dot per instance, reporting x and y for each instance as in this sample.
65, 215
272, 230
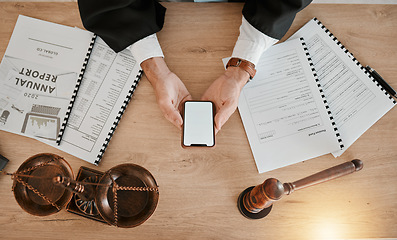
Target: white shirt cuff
251, 43
146, 48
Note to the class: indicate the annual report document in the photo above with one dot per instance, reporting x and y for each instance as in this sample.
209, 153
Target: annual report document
38, 75
65, 87
284, 111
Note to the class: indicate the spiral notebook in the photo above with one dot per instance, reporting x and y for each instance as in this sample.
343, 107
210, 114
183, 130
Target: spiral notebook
284, 111
355, 98
65, 87
107, 86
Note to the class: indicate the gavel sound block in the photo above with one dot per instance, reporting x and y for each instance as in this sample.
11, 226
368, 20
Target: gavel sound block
256, 202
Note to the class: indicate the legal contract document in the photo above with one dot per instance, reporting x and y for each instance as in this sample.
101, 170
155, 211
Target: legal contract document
284, 112
354, 97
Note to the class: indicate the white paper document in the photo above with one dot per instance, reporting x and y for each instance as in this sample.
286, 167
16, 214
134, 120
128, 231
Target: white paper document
283, 110
107, 82
50, 70
38, 74
354, 98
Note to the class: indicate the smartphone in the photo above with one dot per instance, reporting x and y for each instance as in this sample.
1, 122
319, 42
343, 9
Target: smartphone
198, 124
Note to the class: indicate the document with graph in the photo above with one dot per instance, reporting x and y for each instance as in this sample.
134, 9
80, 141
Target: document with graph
38, 75
284, 111
65, 87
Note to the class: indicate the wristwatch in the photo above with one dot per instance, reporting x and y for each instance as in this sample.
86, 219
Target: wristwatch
243, 64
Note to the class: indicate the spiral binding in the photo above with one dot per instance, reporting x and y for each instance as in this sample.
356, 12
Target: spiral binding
76, 89
118, 117
353, 58
331, 118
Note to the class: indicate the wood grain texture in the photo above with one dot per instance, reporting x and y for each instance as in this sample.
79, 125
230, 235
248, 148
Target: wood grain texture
199, 187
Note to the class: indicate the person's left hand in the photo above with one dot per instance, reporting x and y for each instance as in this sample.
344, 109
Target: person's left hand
224, 92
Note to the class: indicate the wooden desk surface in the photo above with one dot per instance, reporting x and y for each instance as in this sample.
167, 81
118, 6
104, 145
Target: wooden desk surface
199, 188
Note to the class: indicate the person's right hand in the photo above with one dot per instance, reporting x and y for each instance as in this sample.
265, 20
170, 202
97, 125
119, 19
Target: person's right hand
224, 92
170, 90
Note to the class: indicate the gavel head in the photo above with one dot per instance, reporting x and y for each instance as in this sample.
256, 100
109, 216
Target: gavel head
256, 202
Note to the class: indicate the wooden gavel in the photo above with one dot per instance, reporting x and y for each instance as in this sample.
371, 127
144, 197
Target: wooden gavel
256, 202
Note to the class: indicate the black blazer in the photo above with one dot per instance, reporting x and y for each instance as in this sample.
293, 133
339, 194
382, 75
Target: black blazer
123, 22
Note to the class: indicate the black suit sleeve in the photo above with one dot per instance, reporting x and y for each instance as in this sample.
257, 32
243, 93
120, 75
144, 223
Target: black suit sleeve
273, 17
123, 22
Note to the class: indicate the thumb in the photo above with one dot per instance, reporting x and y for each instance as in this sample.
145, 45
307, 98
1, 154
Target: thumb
176, 119
173, 115
223, 115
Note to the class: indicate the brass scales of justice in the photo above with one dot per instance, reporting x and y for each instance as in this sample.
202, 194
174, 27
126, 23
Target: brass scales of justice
127, 194
124, 196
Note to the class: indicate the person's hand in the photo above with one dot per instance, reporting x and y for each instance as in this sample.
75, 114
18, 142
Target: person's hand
224, 92
170, 90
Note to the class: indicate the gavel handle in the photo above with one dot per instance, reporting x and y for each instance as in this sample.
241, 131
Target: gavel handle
323, 176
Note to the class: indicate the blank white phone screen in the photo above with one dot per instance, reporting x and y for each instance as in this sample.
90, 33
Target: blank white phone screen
198, 124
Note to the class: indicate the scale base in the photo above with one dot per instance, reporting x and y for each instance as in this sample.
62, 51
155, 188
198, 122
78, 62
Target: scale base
84, 173
248, 214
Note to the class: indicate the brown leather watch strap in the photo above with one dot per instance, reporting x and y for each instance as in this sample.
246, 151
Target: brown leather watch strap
243, 64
